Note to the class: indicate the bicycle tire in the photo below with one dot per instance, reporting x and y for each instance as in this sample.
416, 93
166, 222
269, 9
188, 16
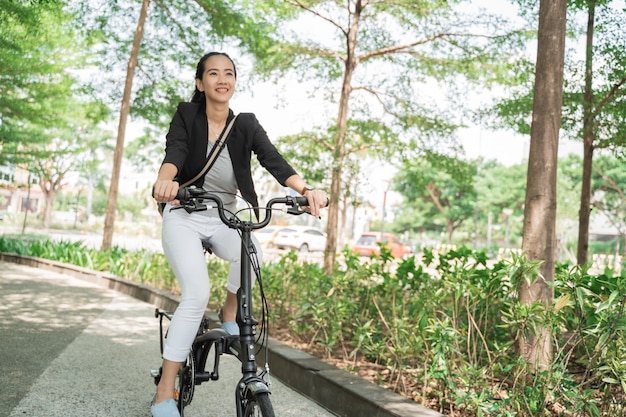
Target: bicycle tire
258, 405
186, 383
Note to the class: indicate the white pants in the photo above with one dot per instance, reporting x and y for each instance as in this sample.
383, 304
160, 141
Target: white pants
182, 238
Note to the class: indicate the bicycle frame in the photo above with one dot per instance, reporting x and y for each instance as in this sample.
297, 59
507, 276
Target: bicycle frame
247, 326
243, 346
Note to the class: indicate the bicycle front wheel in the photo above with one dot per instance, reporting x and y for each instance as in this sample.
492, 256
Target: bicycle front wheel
185, 382
258, 405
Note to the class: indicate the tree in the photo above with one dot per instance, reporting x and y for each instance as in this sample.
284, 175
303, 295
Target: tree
303, 150
593, 98
52, 171
498, 201
500, 198
45, 116
177, 34
37, 89
168, 54
71, 146
374, 68
609, 191
604, 116
439, 187
109, 220
539, 238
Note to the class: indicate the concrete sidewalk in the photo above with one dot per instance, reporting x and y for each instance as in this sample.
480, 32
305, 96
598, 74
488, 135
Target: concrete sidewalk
71, 348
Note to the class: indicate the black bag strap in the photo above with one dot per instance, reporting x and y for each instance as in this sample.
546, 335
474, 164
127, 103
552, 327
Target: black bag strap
217, 148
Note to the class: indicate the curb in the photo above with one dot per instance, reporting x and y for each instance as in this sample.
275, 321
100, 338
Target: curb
338, 391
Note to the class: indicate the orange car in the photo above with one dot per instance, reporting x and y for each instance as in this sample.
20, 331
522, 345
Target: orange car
368, 244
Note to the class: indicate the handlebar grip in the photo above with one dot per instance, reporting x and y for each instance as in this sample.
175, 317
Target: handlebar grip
303, 201
182, 194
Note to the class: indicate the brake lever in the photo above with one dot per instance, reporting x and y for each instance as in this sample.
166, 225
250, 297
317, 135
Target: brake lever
296, 211
191, 206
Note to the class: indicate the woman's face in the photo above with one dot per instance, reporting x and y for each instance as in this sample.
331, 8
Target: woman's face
218, 79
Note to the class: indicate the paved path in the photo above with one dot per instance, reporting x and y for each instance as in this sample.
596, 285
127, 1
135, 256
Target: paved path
70, 348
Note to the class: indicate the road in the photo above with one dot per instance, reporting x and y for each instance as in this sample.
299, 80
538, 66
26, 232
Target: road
137, 242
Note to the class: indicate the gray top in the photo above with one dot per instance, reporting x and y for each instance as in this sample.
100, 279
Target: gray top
220, 180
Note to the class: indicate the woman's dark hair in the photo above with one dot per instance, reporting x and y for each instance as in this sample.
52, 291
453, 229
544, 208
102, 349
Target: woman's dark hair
198, 96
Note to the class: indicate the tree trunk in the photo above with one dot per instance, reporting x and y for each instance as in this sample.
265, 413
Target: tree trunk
109, 221
49, 187
50, 196
337, 169
539, 237
340, 144
344, 220
584, 212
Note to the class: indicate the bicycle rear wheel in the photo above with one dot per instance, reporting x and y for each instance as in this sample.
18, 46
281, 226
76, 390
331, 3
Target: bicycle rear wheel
258, 405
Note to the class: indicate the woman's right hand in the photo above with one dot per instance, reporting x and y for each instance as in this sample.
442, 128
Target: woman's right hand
164, 191
165, 187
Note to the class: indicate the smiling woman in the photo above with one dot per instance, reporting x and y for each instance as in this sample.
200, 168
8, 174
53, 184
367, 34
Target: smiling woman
200, 151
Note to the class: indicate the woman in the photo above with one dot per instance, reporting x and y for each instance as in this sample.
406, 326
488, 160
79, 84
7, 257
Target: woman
194, 128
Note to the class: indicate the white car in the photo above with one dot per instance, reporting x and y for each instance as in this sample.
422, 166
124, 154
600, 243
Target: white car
301, 238
267, 235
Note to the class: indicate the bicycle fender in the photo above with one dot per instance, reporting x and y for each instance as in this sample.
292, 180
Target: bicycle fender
256, 387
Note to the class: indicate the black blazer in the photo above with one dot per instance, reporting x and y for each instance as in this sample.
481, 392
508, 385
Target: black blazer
187, 141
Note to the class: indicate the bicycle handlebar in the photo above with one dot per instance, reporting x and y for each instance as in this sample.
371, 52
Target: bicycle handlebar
192, 199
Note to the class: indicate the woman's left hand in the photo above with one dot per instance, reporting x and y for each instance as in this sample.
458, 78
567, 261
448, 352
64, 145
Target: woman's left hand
317, 200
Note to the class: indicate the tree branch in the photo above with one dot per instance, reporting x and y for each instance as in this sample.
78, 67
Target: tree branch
609, 95
399, 48
377, 95
405, 48
431, 188
611, 184
299, 4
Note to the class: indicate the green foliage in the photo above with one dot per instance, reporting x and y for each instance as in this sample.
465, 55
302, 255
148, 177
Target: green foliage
390, 68
47, 120
607, 71
142, 266
450, 321
609, 190
501, 187
38, 48
496, 207
441, 187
